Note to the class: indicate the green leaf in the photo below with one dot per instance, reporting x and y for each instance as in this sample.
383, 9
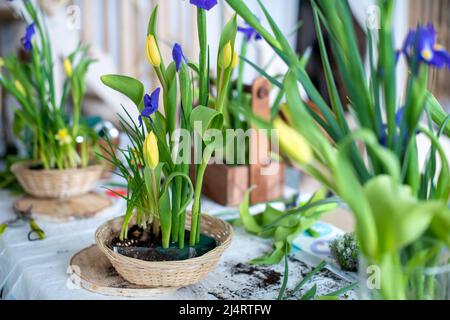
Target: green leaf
285, 278
310, 294
165, 217
307, 278
151, 29
437, 111
399, 217
3, 228
187, 200
249, 221
274, 257
241, 8
186, 92
128, 86
274, 81
203, 118
440, 225
34, 227
336, 294
228, 33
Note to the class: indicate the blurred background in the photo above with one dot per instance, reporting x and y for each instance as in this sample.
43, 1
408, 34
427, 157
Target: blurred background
116, 31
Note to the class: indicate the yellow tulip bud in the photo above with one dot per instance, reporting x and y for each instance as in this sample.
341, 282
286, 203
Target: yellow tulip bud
151, 153
226, 56
68, 68
20, 88
153, 52
2, 62
293, 144
235, 60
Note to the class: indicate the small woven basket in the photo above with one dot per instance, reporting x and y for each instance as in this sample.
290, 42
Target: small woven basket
167, 274
56, 184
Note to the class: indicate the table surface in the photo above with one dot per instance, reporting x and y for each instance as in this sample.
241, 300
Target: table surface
40, 270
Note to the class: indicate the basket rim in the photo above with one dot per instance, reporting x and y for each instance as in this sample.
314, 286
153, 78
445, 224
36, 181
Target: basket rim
24, 166
210, 254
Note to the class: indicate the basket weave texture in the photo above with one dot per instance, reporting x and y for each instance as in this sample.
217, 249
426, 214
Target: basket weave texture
56, 184
167, 273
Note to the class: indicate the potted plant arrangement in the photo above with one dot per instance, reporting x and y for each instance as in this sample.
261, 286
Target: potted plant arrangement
241, 167
158, 243
401, 209
58, 142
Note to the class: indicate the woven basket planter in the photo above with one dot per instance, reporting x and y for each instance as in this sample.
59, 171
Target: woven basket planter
56, 184
167, 274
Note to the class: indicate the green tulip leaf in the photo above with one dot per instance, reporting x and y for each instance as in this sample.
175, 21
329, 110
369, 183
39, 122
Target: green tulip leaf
128, 86
399, 217
204, 119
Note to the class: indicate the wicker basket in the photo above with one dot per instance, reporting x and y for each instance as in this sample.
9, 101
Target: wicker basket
56, 184
168, 273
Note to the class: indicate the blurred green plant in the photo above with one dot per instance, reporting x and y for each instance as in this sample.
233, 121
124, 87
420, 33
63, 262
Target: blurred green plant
311, 293
401, 209
346, 252
53, 135
284, 226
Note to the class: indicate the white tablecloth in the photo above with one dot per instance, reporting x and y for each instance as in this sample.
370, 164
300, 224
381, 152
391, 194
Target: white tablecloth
39, 270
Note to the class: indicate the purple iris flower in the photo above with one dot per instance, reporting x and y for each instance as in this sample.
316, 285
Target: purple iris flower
398, 120
422, 45
151, 104
178, 56
249, 32
26, 40
204, 4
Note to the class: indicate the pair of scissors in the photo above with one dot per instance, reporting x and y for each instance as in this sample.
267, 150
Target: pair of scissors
23, 218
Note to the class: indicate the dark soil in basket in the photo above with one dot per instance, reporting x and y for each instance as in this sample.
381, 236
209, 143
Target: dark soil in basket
39, 167
143, 245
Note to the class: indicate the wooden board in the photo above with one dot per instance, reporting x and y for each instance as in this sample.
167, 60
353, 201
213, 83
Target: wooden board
226, 185
82, 207
91, 270
267, 187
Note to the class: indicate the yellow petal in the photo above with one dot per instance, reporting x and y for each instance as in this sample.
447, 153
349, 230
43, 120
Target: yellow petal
438, 47
151, 153
153, 52
2, 62
293, 144
63, 137
20, 87
427, 54
235, 60
68, 68
226, 56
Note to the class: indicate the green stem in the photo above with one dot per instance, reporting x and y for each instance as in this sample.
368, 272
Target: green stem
203, 42
195, 223
176, 201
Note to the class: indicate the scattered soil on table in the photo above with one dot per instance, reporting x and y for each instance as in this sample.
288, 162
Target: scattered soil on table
267, 277
144, 245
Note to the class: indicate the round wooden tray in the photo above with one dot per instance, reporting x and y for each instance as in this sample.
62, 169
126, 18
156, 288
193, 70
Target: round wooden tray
91, 269
81, 207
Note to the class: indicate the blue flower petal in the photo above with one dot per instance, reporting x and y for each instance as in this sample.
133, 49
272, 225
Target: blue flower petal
178, 56
204, 4
151, 105
249, 33
27, 39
